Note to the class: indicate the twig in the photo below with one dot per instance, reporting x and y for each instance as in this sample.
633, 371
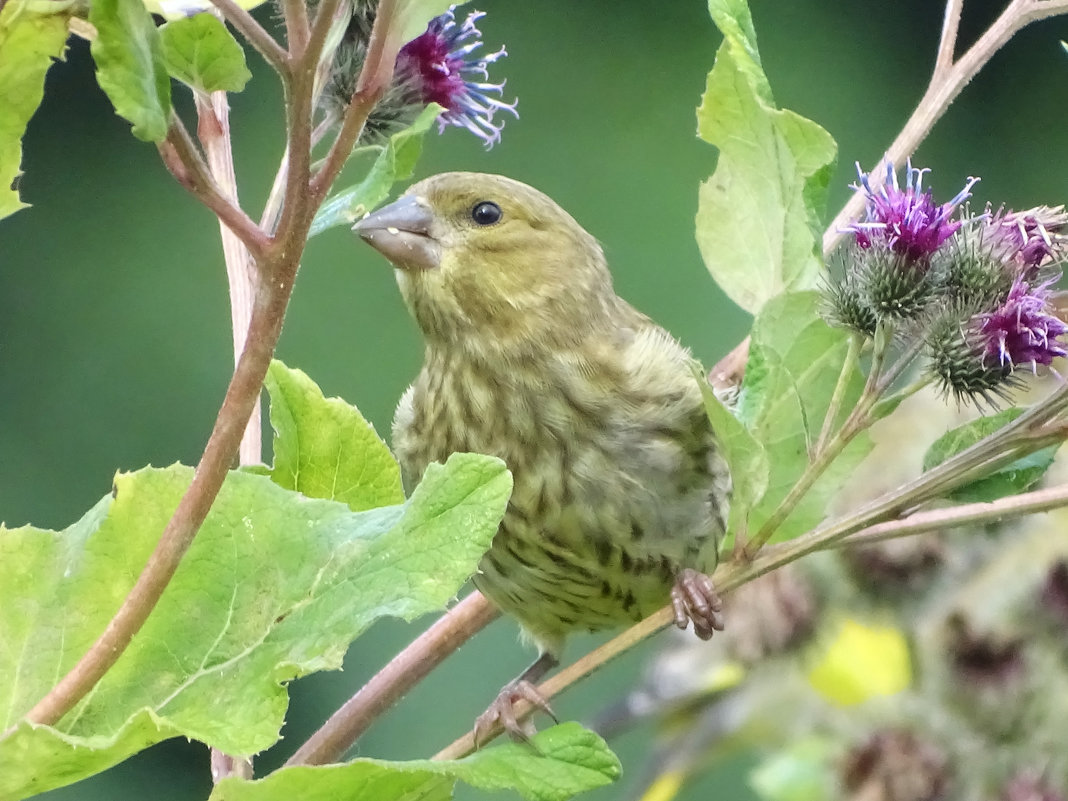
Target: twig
265, 44
180, 155
374, 79
295, 13
324, 19
213, 130
1027, 503
849, 364
948, 79
406, 670
947, 43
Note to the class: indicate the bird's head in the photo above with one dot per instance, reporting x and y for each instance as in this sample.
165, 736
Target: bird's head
485, 257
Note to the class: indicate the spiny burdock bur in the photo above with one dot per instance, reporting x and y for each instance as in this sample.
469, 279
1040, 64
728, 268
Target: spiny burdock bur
443, 65
976, 289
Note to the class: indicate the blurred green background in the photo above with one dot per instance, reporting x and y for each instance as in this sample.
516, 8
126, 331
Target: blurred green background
114, 325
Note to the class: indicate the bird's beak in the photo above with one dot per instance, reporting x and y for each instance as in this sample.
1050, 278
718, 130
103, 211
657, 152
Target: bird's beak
401, 233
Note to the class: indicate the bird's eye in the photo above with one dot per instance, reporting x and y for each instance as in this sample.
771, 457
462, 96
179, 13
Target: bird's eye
486, 212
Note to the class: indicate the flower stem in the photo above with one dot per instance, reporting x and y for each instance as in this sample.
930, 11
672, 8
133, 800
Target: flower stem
857, 421
849, 364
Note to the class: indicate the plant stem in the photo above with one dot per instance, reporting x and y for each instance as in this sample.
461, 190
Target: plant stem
183, 160
948, 79
295, 14
1026, 503
213, 130
848, 366
387, 686
377, 72
857, 421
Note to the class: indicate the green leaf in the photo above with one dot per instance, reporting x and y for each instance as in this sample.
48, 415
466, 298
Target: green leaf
759, 215
396, 162
1014, 478
558, 764
745, 457
275, 586
129, 65
803, 771
29, 41
325, 448
795, 359
199, 51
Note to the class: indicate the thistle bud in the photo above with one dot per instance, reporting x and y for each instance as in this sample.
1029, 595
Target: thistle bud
1055, 592
844, 307
889, 271
1028, 239
896, 765
906, 222
898, 564
977, 357
1029, 786
770, 614
440, 66
984, 660
956, 351
974, 275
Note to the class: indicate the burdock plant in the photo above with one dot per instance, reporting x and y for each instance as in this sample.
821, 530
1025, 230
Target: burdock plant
184, 601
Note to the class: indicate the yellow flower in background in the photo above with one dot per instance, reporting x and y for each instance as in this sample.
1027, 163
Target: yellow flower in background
862, 662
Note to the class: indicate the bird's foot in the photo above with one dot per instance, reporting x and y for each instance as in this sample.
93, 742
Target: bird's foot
694, 597
502, 712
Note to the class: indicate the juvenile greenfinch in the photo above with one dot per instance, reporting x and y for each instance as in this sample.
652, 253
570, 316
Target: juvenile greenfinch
620, 495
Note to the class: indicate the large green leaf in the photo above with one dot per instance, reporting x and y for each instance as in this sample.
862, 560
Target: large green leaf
558, 764
29, 41
129, 65
395, 162
759, 215
201, 53
795, 359
324, 448
1014, 478
275, 586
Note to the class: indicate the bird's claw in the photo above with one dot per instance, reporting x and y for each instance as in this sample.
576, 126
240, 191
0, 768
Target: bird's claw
694, 597
502, 713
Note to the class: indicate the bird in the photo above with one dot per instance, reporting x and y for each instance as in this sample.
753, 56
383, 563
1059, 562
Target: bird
620, 493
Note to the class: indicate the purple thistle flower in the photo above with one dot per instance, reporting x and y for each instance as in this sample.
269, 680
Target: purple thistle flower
442, 66
1027, 239
1023, 330
906, 221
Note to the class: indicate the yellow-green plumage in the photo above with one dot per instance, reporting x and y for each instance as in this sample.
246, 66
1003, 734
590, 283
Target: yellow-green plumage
532, 357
